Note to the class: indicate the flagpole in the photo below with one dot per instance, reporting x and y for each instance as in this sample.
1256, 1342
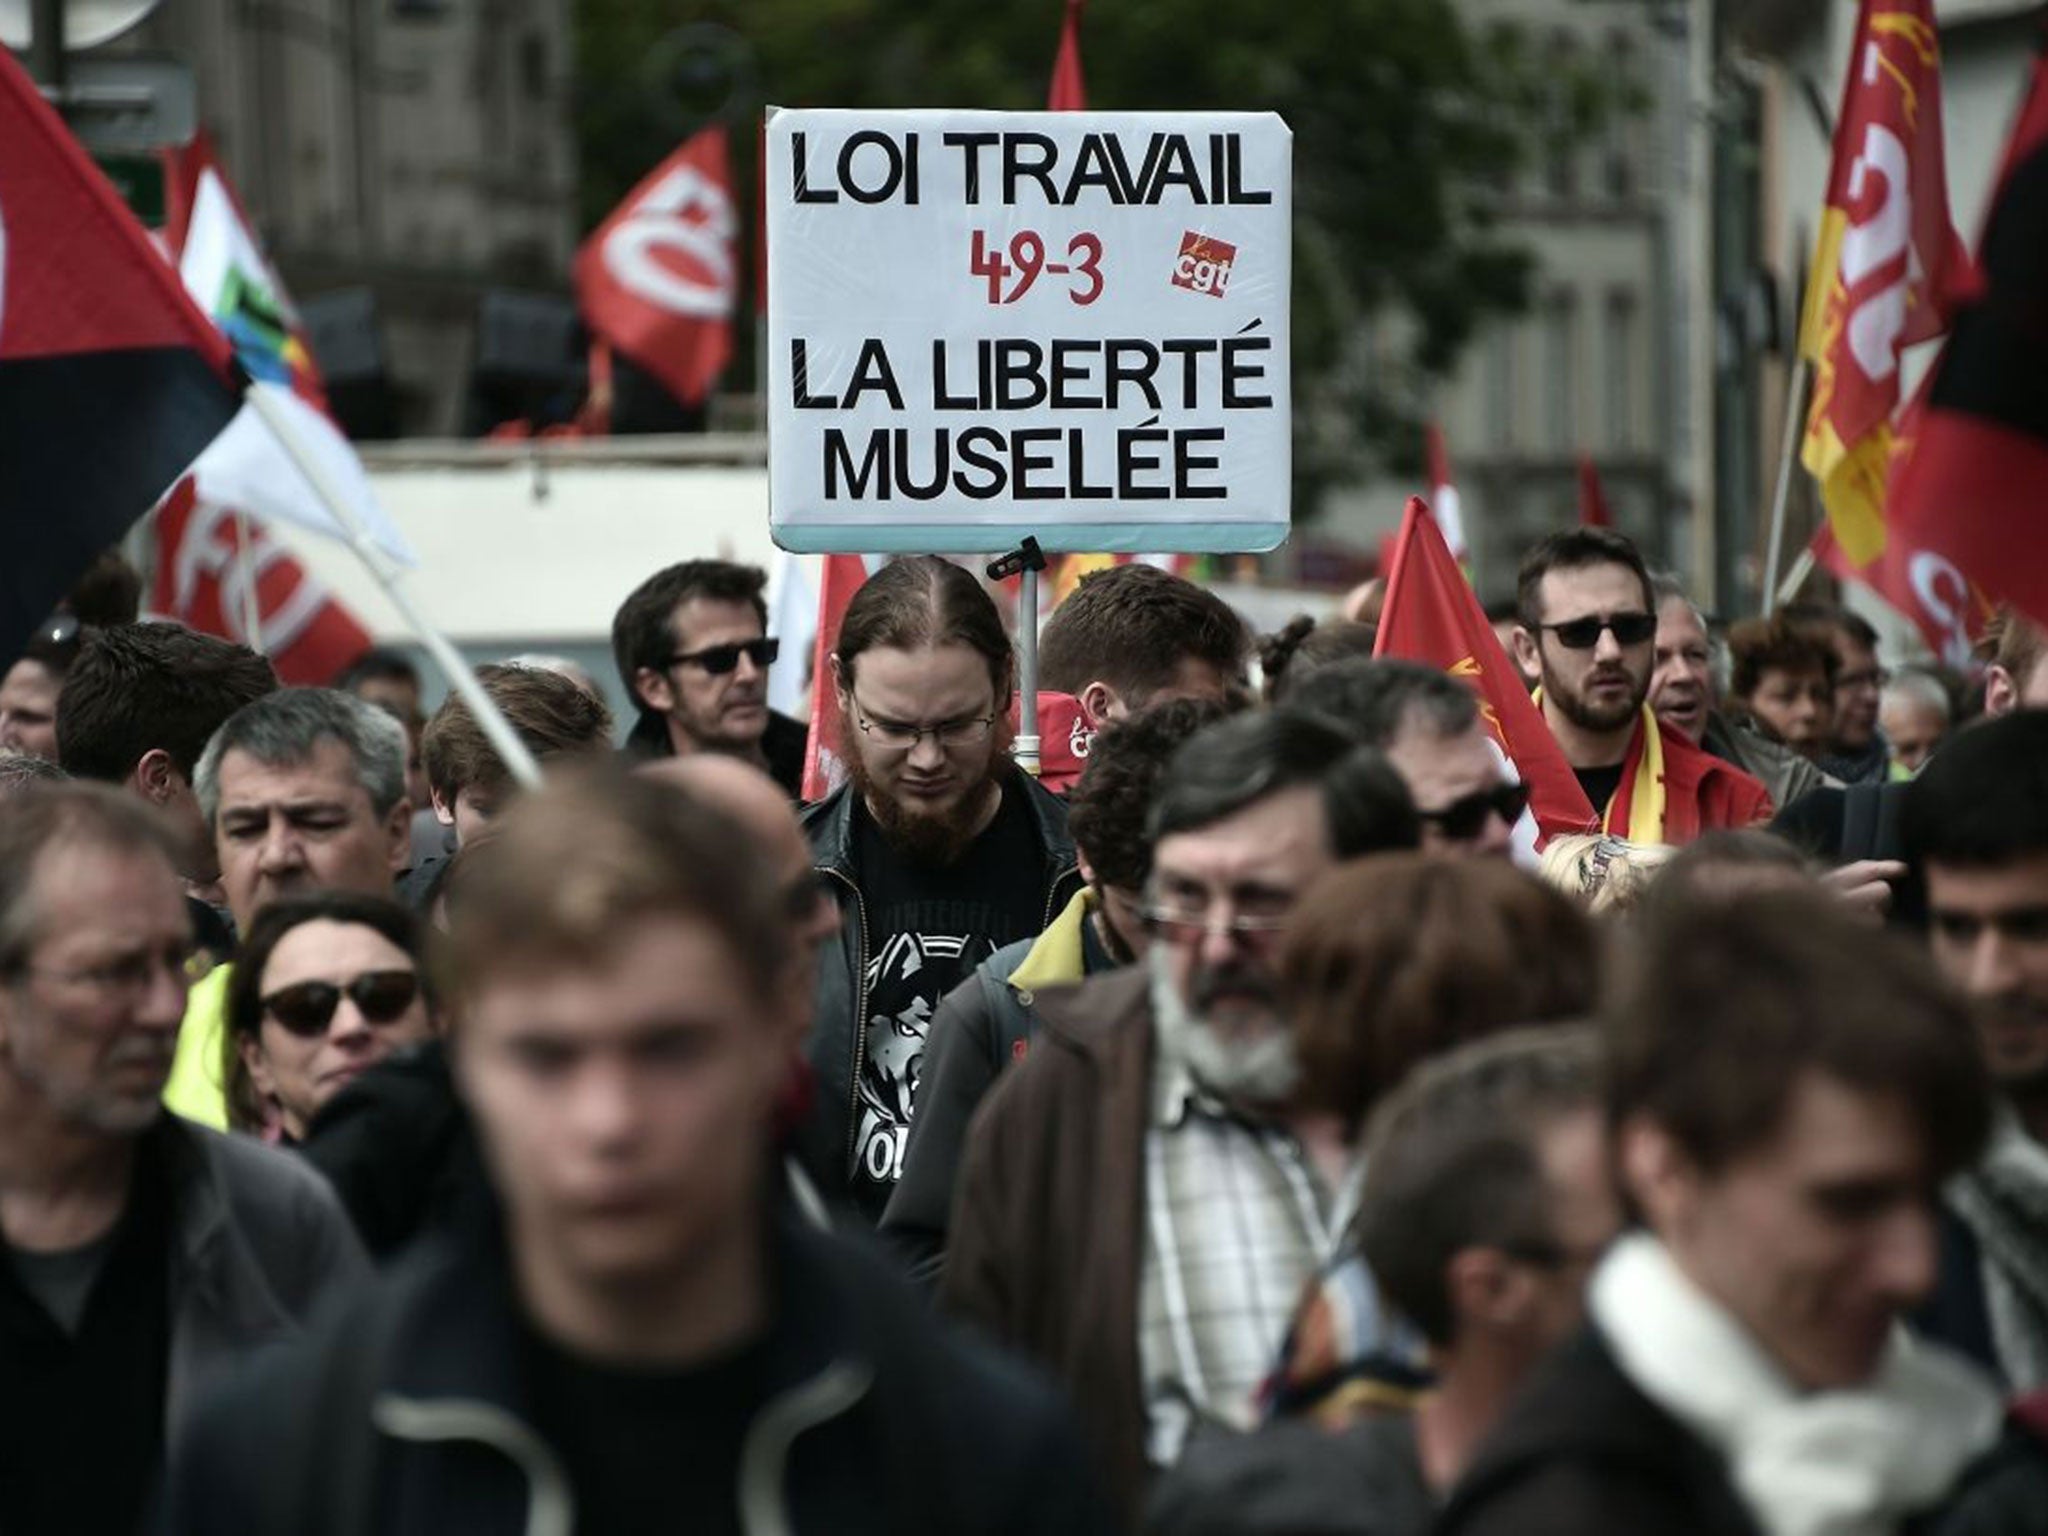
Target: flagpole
1788, 449
1027, 671
252, 607
497, 730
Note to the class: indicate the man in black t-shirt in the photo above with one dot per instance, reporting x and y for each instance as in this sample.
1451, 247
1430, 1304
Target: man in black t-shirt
940, 851
649, 1341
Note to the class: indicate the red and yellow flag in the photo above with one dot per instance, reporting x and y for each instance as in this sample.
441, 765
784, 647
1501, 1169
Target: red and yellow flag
1886, 268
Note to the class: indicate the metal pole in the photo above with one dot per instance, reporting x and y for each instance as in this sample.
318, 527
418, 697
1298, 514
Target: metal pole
503, 739
46, 47
1796, 577
1788, 450
1027, 671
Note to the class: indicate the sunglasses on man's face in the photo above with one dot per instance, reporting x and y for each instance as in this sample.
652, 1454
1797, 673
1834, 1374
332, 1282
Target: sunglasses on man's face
721, 659
1465, 818
306, 1009
1583, 634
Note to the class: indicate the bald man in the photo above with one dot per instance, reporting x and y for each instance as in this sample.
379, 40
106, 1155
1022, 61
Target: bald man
746, 794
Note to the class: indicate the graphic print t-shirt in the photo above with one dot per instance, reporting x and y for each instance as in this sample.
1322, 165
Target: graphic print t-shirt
928, 928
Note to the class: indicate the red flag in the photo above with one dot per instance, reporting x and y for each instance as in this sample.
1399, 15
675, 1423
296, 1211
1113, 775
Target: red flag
1593, 511
1443, 502
658, 279
1432, 616
1068, 92
1887, 265
206, 559
823, 770
111, 382
1967, 491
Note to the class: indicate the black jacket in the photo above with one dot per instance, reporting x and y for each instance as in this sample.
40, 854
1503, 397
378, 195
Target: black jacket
1583, 1452
825, 1142
409, 1418
782, 744
396, 1145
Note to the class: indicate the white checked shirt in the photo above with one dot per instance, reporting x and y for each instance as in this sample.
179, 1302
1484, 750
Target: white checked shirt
1238, 1221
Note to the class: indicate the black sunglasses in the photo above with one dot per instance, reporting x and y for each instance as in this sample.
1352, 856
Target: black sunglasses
1465, 818
307, 1009
1584, 634
721, 659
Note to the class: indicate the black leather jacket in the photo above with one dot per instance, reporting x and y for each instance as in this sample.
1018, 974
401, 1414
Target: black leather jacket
824, 1144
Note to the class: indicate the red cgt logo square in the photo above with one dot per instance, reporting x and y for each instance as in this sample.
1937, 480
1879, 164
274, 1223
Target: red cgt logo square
1204, 264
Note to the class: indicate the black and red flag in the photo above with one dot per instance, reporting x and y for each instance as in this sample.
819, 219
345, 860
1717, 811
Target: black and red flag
1968, 493
111, 380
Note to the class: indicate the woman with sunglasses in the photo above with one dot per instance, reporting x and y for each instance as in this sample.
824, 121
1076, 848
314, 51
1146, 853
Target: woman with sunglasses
325, 987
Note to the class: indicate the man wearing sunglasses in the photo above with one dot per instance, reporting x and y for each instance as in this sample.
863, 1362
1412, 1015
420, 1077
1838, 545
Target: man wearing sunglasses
693, 649
141, 1257
1588, 632
1427, 723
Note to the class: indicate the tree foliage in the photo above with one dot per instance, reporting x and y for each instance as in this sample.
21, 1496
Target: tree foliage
1408, 127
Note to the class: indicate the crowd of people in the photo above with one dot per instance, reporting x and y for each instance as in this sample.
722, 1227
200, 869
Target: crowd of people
1266, 1135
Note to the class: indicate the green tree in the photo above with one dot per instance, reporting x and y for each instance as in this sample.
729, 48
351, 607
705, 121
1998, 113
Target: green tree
1408, 126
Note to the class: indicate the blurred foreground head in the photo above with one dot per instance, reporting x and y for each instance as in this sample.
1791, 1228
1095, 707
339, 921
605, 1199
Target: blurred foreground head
618, 974
1790, 1087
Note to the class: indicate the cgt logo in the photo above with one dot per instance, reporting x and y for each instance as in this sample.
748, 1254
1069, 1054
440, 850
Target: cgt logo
1204, 264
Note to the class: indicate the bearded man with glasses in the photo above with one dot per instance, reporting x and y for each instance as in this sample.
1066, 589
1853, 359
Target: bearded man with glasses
939, 850
1143, 1197
1588, 629
693, 649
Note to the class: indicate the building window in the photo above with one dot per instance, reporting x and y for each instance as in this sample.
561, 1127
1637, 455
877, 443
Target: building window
1618, 360
1561, 371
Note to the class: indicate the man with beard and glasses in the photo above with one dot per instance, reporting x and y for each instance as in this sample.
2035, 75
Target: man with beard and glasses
140, 1257
939, 849
1143, 1197
693, 649
1588, 630
1975, 822
989, 1020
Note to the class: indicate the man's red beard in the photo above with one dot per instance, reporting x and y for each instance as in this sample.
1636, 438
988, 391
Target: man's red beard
937, 839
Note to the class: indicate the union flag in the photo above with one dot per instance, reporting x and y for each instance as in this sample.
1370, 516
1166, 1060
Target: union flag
1968, 490
657, 281
1886, 268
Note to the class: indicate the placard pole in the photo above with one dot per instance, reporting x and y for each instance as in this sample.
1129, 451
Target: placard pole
1025, 562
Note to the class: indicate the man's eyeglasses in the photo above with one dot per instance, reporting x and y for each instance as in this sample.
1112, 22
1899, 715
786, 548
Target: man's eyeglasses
1584, 634
1178, 924
131, 975
1465, 818
721, 659
306, 1010
894, 736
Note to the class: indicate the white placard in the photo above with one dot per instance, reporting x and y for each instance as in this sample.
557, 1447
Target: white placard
986, 325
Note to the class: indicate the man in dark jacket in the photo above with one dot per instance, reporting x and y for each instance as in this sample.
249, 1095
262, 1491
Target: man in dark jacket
140, 1257
988, 1021
1140, 1204
1789, 1089
693, 649
642, 1347
940, 850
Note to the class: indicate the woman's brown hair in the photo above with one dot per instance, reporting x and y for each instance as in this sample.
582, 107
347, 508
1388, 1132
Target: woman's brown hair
1393, 959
